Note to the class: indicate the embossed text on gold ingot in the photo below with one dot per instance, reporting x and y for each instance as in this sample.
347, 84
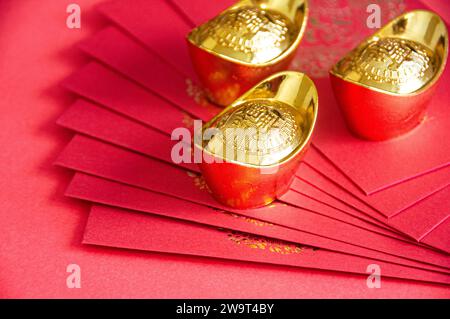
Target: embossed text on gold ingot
247, 34
406, 56
253, 147
268, 124
246, 43
259, 132
384, 86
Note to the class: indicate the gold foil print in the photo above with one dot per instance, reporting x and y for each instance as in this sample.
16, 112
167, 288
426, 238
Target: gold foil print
271, 245
338, 25
187, 120
248, 34
249, 220
199, 181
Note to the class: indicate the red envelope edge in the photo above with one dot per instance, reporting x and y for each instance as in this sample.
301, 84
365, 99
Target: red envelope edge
439, 236
375, 166
87, 118
98, 83
111, 57
125, 229
416, 221
101, 191
156, 25
200, 11
388, 202
97, 122
32, 209
104, 160
126, 56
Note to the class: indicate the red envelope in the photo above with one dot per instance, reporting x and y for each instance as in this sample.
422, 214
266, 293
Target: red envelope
101, 191
416, 221
97, 122
125, 55
126, 229
113, 59
104, 160
388, 202
104, 86
377, 165
200, 11
110, 56
391, 172
439, 236
98, 83
157, 25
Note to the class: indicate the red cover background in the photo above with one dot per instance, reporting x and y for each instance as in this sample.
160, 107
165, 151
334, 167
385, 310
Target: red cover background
41, 230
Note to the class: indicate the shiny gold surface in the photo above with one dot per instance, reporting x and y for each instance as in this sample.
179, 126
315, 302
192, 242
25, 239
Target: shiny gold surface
272, 130
268, 125
404, 57
253, 32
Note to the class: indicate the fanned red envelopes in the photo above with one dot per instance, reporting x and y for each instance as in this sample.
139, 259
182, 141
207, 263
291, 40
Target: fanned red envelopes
124, 229
93, 157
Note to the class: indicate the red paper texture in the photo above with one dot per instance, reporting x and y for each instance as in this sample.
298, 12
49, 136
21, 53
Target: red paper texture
388, 202
104, 160
157, 25
416, 221
125, 55
97, 122
95, 82
94, 121
377, 165
110, 35
41, 230
98, 83
200, 11
373, 167
125, 229
98, 190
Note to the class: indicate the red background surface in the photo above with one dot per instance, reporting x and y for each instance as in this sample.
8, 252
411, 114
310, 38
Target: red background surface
41, 230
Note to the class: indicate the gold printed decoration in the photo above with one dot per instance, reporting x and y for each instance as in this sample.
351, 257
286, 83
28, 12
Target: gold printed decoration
187, 120
259, 132
199, 181
273, 246
248, 34
198, 94
195, 92
253, 221
338, 24
392, 64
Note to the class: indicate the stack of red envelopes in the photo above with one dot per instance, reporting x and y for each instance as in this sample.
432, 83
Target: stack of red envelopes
353, 203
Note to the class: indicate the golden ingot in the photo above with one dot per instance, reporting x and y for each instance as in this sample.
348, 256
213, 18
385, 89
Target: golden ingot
384, 85
246, 43
252, 149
